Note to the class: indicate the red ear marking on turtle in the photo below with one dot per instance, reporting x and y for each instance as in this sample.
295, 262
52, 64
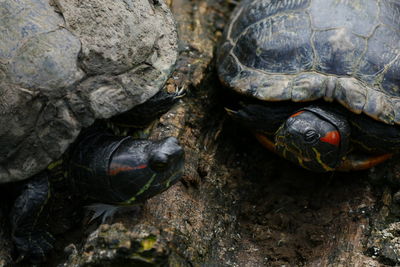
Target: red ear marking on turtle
332, 138
297, 114
115, 169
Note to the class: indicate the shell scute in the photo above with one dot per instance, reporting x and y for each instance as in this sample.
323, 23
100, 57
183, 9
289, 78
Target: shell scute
338, 51
358, 16
47, 61
351, 93
390, 13
21, 20
255, 11
281, 44
383, 48
391, 78
379, 106
308, 87
273, 87
229, 68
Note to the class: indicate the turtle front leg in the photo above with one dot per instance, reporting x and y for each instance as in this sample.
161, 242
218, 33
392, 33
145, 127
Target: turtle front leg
362, 162
144, 114
266, 142
28, 220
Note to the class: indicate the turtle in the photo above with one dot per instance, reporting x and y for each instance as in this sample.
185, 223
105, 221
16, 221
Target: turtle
316, 80
68, 68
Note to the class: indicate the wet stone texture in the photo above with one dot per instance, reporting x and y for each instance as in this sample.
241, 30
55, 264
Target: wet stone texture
237, 204
117, 246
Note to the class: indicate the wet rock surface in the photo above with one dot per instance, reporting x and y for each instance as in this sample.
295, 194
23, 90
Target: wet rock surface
115, 245
237, 204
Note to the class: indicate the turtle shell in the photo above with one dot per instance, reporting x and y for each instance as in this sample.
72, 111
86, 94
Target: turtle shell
304, 50
65, 63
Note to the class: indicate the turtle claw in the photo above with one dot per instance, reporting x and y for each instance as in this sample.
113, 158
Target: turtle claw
180, 92
231, 112
105, 211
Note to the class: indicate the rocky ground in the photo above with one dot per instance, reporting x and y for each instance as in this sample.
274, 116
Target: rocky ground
237, 204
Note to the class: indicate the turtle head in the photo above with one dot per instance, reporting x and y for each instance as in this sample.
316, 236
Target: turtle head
143, 168
313, 138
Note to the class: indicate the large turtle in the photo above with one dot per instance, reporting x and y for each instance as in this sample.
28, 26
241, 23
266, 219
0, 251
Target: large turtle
65, 64
299, 60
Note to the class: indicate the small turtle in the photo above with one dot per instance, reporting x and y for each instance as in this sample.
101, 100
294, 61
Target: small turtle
321, 77
65, 65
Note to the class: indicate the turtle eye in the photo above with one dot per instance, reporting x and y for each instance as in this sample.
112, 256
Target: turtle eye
159, 166
159, 162
311, 136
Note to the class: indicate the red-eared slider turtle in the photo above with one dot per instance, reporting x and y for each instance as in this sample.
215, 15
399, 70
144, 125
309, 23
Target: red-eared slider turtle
65, 64
324, 76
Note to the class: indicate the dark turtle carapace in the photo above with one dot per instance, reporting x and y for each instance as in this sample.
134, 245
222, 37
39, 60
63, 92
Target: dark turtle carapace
321, 78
